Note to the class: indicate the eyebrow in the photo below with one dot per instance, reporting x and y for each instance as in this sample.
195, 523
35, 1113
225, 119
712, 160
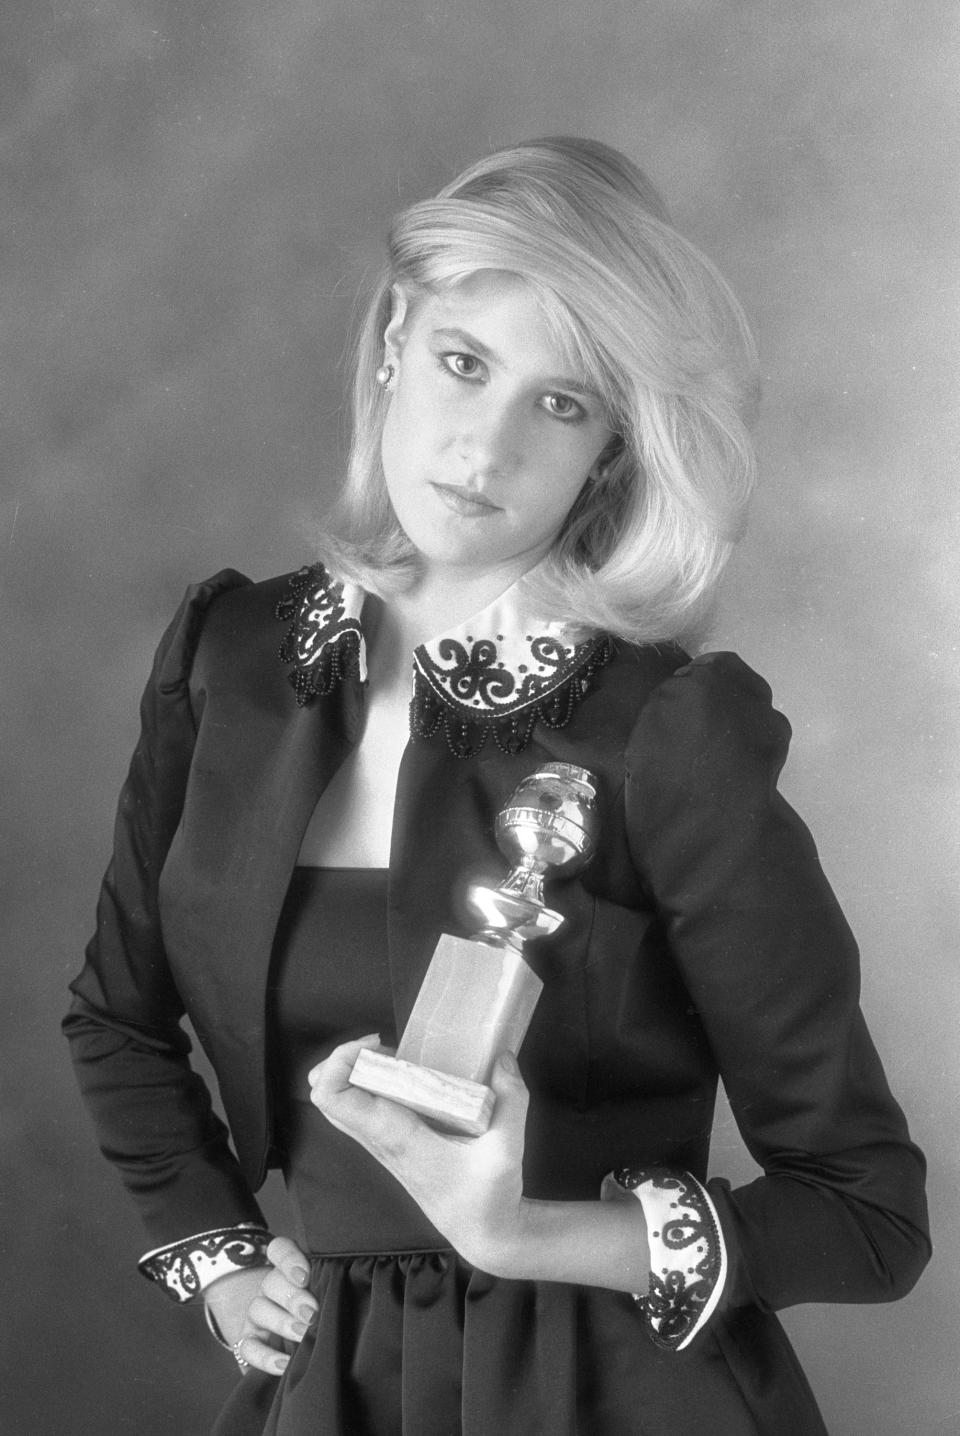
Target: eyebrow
490, 356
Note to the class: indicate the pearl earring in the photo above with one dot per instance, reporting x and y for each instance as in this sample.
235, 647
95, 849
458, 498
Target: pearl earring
384, 375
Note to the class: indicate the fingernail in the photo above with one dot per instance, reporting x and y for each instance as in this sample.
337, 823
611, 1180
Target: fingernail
281, 1363
306, 1313
300, 1275
299, 1328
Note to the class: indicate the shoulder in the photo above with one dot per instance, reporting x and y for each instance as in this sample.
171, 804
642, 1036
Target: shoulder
632, 674
661, 683
701, 793
711, 720
241, 609
220, 621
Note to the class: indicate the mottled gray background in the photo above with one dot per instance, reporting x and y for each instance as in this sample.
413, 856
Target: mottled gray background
192, 192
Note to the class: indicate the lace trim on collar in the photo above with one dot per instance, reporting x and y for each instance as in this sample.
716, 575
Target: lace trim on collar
469, 686
324, 640
491, 676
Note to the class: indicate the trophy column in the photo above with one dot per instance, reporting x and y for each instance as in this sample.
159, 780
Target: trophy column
479, 993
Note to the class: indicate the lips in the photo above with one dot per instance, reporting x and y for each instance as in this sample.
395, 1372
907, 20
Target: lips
466, 502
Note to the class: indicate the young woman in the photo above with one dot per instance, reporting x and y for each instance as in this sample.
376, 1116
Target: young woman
550, 463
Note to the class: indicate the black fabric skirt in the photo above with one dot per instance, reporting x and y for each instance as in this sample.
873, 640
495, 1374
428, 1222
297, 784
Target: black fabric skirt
419, 1344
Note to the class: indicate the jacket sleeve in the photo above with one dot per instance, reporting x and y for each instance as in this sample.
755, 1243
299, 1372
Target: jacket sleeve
152, 1112
771, 967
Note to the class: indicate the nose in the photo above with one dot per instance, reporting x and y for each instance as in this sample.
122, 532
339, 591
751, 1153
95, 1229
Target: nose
491, 439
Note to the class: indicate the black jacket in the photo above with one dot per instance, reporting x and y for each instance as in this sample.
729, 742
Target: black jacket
702, 939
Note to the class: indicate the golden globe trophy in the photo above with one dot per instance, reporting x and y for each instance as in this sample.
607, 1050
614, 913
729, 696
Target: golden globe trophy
479, 993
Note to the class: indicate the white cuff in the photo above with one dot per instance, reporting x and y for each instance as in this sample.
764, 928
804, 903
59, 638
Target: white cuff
688, 1256
187, 1267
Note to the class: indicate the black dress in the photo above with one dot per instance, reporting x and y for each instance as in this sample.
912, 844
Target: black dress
410, 1340
701, 941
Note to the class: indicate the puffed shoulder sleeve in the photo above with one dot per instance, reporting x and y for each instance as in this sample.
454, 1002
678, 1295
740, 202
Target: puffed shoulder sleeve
773, 972
152, 1112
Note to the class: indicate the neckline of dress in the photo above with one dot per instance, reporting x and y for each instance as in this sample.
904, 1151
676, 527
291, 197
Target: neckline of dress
498, 673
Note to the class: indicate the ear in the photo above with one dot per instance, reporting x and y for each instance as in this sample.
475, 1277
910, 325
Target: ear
607, 457
394, 336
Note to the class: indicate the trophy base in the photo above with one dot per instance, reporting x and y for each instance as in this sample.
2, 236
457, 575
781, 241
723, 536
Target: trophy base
454, 1104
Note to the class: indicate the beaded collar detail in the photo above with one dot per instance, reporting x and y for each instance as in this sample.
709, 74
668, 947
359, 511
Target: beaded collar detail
492, 677
324, 641
496, 675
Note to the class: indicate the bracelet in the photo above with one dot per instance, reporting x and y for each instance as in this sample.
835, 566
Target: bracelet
213, 1326
235, 1348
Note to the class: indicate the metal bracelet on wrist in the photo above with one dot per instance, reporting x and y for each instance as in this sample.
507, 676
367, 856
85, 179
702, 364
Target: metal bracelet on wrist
235, 1348
213, 1326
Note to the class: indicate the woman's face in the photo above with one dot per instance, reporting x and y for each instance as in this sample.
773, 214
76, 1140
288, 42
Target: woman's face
488, 438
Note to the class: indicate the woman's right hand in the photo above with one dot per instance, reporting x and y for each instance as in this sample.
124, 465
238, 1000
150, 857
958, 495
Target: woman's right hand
256, 1309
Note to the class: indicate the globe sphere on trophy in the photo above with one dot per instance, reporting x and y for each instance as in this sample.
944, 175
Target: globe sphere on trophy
479, 993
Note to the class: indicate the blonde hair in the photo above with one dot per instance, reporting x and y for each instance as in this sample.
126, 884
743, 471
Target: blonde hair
651, 325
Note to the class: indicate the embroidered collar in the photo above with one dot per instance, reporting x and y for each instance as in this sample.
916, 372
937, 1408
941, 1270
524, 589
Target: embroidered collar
496, 674
324, 641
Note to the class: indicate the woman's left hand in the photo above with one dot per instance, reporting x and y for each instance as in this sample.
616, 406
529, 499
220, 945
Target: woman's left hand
470, 1188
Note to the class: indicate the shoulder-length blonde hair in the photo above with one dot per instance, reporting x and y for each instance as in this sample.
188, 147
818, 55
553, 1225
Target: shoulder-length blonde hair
650, 324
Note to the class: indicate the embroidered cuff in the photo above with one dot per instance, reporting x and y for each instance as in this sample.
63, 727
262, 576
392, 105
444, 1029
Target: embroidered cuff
186, 1268
688, 1258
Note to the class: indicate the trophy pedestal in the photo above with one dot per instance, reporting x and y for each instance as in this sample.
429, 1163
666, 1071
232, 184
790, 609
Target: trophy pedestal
454, 1104
477, 1000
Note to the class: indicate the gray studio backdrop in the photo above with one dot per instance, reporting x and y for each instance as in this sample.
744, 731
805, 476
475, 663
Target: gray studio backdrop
192, 195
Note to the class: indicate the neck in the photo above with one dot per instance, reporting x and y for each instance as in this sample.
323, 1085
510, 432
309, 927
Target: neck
441, 599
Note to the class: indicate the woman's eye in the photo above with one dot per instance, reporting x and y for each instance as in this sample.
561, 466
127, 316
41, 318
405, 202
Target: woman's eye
465, 366
561, 406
